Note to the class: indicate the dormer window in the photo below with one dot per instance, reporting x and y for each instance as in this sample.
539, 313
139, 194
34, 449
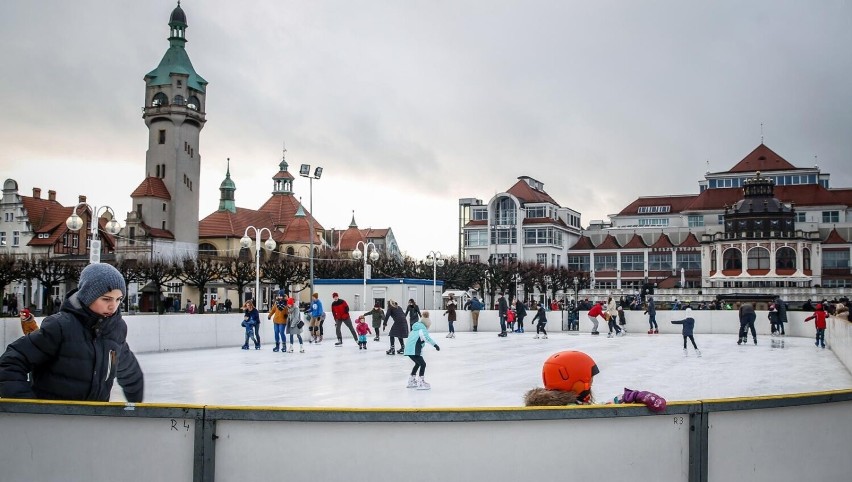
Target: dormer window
180, 83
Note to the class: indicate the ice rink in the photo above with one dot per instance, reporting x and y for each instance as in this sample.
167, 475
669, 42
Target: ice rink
483, 370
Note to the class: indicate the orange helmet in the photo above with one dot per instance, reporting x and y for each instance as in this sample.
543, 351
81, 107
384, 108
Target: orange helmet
570, 371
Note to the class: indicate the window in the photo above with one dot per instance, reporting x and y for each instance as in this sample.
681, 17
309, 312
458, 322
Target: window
505, 258
688, 261
16, 238
696, 221
478, 237
537, 212
653, 222
758, 258
132, 236
654, 209
800, 217
806, 259
578, 263
162, 136
835, 259
2, 238
75, 241
180, 83
9, 217
193, 103
504, 236
785, 258
474, 258
164, 207
207, 249
720, 219
632, 262
505, 212
543, 236
179, 100
732, 259
713, 264
831, 216
660, 261
606, 262
139, 210
541, 258
164, 225
480, 214
160, 99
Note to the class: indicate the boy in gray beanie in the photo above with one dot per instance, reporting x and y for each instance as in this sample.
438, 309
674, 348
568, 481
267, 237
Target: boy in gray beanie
60, 355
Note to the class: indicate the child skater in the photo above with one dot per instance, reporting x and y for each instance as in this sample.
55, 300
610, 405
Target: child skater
362, 329
688, 324
541, 317
418, 337
819, 321
451, 317
28, 322
249, 319
568, 377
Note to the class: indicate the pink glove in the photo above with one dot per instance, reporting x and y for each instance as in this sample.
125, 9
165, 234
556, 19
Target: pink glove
654, 402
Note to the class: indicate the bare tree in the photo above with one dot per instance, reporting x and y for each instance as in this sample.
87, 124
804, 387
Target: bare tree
199, 272
9, 271
284, 272
50, 272
238, 273
158, 272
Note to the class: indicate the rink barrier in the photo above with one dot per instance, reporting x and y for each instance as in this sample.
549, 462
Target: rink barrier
756, 438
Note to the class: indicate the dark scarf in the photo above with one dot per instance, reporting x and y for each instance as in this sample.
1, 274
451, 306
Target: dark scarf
281, 304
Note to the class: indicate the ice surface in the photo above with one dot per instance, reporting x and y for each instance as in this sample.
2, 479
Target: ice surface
483, 370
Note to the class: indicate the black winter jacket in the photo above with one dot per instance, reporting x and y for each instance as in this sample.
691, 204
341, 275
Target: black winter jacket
75, 355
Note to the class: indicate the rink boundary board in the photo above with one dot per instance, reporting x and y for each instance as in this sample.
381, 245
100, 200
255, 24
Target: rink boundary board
204, 419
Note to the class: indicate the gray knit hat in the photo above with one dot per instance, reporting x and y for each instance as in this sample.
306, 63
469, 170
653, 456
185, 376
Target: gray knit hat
97, 279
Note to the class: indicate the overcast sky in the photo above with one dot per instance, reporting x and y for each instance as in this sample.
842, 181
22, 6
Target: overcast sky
409, 106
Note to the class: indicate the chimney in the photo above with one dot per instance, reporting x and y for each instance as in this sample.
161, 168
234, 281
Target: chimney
37, 193
81, 199
51, 195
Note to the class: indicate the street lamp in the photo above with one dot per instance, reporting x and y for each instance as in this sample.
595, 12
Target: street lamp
75, 223
305, 171
245, 242
434, 260
576, 302
357, 254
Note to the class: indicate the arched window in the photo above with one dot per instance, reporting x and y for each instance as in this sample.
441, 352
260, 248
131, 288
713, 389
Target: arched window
732, 259
785, 258
505, 212
758, 258
207, 249
179, 100
290, 251
713, 260
193, 103
160, 99
806, 259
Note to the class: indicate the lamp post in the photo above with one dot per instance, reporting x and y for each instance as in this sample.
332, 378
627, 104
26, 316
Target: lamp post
75, 223
434, 260
305, 171
357, 254
245, 242
576, 313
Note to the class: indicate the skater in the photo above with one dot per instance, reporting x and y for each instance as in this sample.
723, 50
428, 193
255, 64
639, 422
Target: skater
520, 314
747, 317
819, 317
362, 329
340, 312
399, 329
541, 317
622, 319
413, 349
86, 336
412, 311
474, 305
28, 322
503, 312
318, 315
377, 314
251, 318
451, 317
278, 314
651, 311
567, 377
597, 310
688, 325
774, 320
294, 325
781, 306
510, 318
612, 318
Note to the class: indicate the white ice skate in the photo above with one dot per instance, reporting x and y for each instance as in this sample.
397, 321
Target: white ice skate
301, 349
422, 385
412, 382
698, 352
685, 352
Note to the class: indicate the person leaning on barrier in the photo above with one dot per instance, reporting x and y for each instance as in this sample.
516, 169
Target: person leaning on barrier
78, 352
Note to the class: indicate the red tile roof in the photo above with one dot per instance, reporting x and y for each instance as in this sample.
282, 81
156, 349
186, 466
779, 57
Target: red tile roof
835, 238
371, 233
283, 175
478, 222
222, 224
157, 232
583, 243
44, 212
609, 243
282, 210
349, 238
801, 195
762, 159
152, 187
526, 194
299, 231
690, 242
636, 242
662, 242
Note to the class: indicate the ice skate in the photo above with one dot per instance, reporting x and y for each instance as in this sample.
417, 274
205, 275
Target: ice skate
755, 341
536, 337
291, 349
390, 352
684, 352
650, 332
449, 335
277, 347
245, 347
301, 349
257, 347
400, 351
339, 343
454, 334
656, 331
543, 337
698, 352
376, 339
412, 382
609, 335
422, 385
